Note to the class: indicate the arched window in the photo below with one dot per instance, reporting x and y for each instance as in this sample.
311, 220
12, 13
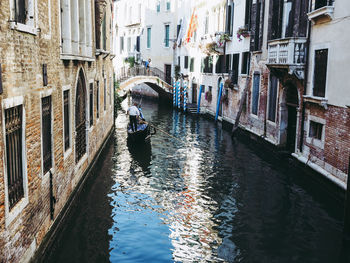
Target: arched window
80, 118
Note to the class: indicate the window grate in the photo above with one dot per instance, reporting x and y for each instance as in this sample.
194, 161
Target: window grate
46, 133
14, 162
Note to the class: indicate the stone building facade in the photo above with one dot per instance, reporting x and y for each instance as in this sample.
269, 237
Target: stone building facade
288, 59
56, 97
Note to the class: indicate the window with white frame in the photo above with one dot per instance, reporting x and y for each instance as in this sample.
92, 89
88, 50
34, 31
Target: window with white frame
315, 130
76, 28
166, 39
14, 157
23, 15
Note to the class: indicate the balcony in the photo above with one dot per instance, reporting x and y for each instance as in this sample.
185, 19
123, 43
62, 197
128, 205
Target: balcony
322, 9
288, 53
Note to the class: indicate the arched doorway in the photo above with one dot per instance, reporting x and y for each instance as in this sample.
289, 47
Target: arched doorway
80, 117
194, 91
288, 126
220, 80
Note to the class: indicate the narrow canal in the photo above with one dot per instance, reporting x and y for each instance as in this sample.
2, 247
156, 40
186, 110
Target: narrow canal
197, 198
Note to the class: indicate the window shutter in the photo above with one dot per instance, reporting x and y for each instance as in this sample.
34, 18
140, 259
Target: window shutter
320, 73
45, 74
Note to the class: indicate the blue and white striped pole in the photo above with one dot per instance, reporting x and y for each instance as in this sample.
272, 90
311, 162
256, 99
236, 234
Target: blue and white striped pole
174, 93
219, 101
179, 95
185, 95
199, 98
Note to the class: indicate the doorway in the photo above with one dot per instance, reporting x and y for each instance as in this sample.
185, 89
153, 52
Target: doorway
289, 111
219, 102
167, 69
194, 93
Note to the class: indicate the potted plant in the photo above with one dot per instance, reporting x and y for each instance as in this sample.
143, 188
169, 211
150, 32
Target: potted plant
242, 32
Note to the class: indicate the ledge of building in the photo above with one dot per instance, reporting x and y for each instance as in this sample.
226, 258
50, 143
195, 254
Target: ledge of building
76, 57
326, 11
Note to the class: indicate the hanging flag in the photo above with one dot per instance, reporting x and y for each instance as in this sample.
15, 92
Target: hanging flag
192, 26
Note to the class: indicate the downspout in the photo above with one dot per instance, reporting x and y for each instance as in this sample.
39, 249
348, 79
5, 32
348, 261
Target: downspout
307, 48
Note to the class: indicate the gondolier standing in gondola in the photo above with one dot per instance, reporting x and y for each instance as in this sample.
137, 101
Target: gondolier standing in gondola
133, 112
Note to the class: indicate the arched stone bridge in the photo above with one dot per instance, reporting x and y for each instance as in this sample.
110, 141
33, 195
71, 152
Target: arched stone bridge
154, 78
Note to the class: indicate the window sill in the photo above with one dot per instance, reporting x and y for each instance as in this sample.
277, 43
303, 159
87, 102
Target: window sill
23, 28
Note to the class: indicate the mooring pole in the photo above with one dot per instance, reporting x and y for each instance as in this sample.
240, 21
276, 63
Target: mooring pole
199, 98
347, 208
219, 101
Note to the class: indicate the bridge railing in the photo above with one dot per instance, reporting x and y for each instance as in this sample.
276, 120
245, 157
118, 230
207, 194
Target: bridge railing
126, 73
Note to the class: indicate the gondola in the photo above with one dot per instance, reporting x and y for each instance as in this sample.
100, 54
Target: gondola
142, 135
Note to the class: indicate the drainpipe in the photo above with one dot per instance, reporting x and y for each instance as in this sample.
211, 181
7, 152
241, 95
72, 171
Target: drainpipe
307, 48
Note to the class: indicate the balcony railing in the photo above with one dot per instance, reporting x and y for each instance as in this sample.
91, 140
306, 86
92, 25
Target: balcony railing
287, 52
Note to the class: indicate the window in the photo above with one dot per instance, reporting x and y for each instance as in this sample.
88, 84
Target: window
111, 92
46, 133
158, 6
104, 36
97, 99
257, 38
320, 72
315, 130
207, 64
168, 5
121, 44
91, 104
234, 73
245, 63
272, 98
192, 65
104, 94
23, 12
166, 40
149, 37
179, 61
255, 93
248, 6
221, 64
186, 62
129, 44
66, 120
210, 89
206, 24
14, 157
230, 19
322, 3
76, 29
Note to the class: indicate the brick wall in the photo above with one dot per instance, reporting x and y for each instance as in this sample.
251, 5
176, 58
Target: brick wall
22, 56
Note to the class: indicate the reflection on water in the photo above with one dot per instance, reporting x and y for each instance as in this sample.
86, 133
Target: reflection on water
202, 198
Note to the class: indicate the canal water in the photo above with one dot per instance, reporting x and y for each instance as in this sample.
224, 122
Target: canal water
194, 195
